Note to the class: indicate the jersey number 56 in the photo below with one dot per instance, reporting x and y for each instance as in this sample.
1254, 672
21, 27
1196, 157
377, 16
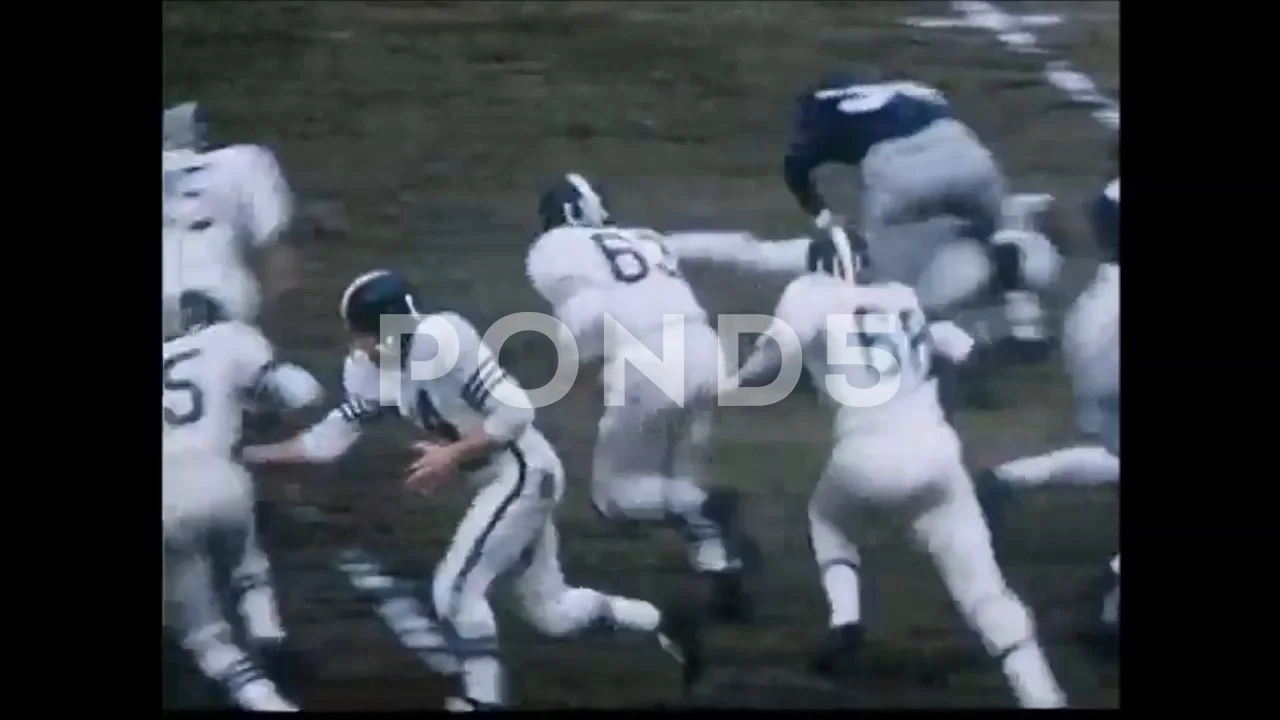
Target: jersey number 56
909, 344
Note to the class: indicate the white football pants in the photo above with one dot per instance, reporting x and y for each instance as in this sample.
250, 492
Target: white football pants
207, 508
920, 475
509, 530
653, 446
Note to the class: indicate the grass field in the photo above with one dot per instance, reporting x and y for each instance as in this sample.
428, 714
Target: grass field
417, 136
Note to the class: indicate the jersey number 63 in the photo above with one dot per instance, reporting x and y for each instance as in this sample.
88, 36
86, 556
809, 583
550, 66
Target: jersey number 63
631, 259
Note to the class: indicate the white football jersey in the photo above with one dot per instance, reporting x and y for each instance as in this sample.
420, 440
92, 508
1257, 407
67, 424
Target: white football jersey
214, 205
207, 376
446, 400
868, 348
625, 273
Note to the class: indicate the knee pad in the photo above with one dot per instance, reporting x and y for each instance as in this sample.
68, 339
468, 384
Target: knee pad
570, 612
958, 271
472, 624
639, 497
448, 601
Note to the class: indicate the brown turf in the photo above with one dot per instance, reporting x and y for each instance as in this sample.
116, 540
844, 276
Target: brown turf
417, 134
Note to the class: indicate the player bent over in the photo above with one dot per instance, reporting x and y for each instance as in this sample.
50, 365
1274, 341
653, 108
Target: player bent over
479, 424
650, 461
208, 498
901, 454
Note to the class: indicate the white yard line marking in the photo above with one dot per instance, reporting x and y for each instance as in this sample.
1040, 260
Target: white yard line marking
1013, 32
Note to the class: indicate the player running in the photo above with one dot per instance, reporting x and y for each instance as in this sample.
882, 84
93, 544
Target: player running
479, 424
650, 464
208, 372
894, 448
215, 203
918, 163
1091, 352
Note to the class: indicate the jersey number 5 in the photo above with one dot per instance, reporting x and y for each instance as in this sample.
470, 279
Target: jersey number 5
631, 261
195, 396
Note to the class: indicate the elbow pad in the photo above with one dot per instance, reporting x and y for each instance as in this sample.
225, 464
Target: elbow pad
293, 386
329, 439
508, 422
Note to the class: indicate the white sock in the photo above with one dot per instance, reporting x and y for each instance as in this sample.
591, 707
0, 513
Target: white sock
1111, 607
482, 678
262, 696
1091, 465
227, 664
1029, 676
1024, 315
843, 593
633, 614
261, 614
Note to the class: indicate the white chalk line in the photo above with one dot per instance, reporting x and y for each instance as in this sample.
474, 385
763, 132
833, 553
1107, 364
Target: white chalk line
1014, 32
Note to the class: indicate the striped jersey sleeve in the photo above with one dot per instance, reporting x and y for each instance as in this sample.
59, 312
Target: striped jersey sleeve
360, 389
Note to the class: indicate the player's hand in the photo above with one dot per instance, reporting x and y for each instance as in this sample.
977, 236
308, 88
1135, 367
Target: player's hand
435, 464
826, 220
951, 341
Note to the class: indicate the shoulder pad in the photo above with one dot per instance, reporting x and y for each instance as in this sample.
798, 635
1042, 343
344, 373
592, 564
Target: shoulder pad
360, 376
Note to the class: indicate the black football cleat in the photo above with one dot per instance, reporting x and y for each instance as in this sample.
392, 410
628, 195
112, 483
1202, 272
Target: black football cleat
680, 635
838, 649
722, 507
286, 665
730, 601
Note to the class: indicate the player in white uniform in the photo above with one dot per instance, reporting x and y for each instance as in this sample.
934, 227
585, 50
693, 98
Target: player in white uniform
897, 451
946, 272
209, 372
652, 449
1091, 353
479, 424
215, 205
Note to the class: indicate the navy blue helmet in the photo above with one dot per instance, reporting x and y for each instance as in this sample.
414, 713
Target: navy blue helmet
572, 200
375, 294
183, 127
198, 310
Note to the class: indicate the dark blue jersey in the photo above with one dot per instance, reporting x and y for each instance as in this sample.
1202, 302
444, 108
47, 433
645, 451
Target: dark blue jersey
842, 119
1106, 222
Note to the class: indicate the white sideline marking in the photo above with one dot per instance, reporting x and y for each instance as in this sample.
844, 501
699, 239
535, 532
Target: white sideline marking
1012, 32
